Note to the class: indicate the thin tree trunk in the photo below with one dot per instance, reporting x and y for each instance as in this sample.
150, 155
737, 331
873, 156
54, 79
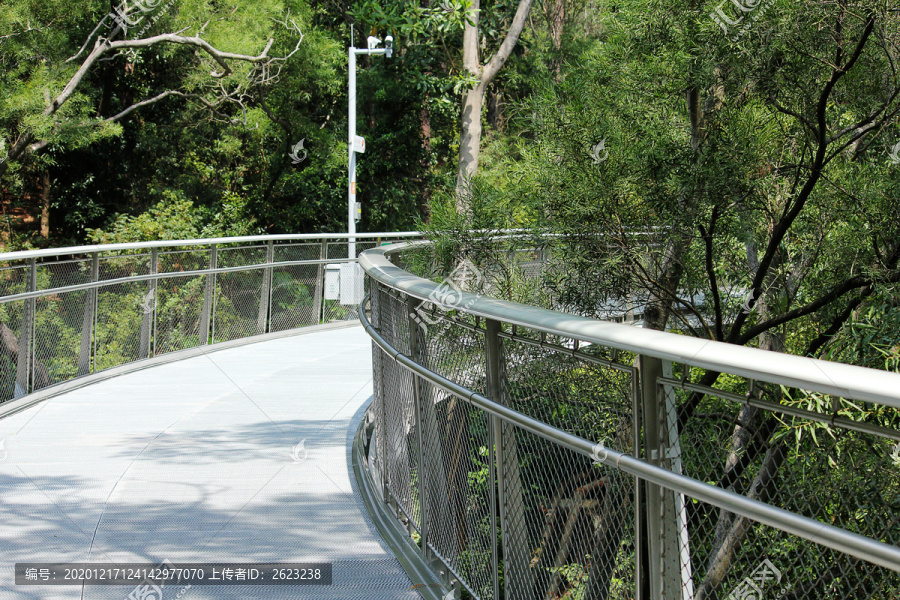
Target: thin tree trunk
470, 141
45, 206
556, 20
470, 135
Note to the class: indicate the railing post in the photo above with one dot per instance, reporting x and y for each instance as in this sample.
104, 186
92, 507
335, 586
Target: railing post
26, 335
318, 317
206, 319
87, 323
416, 348
265, 294
510, 494
148, 309
661, 514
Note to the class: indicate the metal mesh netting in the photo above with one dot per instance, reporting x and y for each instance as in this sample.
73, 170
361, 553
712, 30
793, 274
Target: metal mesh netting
838, 476
240, 297
577, 517
572, 527
120, 311
399, 443
457, 481
59, 324
296, 289
178, 301
62, 333
458, 454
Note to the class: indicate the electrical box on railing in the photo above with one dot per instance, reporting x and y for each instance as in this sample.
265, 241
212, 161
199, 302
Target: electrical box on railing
332, 282
351, 284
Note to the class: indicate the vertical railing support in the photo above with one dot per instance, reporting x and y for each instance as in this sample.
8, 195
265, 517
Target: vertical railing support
495, 470
318, 317
416, 347
510, 492
87, 323
148, 310
265, 294
660, 516
206, 320
24, 357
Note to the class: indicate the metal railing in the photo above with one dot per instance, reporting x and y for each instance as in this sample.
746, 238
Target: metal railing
70, 312
538, 455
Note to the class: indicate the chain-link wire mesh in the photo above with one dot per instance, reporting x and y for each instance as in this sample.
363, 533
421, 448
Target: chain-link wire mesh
135, 304
120, 326
835, 475
241, 297
297, 289
569, 525
61, 335
178, 301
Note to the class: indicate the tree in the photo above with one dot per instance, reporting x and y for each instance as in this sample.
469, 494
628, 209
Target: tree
57, 84
470, 136
737, 186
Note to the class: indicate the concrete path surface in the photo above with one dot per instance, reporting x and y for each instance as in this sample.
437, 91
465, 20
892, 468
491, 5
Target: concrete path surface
238, 455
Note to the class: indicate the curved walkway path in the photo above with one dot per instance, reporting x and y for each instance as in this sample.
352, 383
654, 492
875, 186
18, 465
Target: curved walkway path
200, 460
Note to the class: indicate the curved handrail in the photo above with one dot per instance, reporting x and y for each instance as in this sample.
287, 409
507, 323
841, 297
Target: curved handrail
72, 312
281, 237
810, 374
480, 350
810, 529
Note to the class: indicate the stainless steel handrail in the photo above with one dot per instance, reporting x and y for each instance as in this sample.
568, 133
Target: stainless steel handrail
783, 369
481, 339
66, 251
827, 535
116, 322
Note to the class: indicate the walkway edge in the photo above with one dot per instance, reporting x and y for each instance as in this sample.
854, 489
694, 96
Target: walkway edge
11, 407
427, 582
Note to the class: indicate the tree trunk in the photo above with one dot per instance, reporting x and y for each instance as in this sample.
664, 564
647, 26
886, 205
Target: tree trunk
470, 140
45, 206
556, 20
470, 135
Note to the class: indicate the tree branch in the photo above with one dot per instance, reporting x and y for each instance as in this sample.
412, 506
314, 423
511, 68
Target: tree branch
509, 42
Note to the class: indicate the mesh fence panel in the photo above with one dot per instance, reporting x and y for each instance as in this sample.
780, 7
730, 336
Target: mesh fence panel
60, 323
11, 316
570, 526
836, 476
120, 311
179, 300
62, 333
296, 289
240, 296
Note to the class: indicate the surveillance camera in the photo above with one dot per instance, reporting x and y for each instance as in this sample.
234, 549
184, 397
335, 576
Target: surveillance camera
389, 46
373, 42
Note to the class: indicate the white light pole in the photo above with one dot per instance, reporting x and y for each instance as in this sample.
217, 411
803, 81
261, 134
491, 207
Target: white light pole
355, 143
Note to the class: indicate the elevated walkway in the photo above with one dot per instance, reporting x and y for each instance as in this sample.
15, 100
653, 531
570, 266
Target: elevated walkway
236, 455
